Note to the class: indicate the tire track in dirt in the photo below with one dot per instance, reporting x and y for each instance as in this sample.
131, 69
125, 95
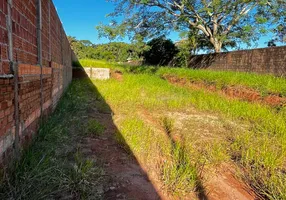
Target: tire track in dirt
126, 178
219, 183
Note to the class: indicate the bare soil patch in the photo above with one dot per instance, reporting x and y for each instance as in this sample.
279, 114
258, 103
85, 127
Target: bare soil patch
116, 74
126, 178
222, 183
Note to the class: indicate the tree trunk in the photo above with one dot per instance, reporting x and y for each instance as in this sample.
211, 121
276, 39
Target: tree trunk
217, 44
217, 48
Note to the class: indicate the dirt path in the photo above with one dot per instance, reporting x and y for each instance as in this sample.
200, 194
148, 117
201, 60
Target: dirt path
126, 179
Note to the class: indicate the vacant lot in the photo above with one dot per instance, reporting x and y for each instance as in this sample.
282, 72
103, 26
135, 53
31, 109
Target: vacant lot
146, 134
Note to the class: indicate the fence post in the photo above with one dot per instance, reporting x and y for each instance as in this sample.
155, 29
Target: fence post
14, 70
62, 60
39, 46
10, 34
49, 26
16, 108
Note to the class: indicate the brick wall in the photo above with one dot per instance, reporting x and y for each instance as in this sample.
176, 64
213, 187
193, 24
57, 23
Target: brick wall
35, 69
270, 60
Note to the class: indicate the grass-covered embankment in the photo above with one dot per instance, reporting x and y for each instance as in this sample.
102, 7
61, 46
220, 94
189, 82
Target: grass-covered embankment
99, 64
264, 84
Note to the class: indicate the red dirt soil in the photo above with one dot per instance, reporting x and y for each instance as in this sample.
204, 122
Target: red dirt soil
116, 75
126, 178
238, 92
222, 184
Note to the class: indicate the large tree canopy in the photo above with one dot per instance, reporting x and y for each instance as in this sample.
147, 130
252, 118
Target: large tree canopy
217, 21
161, 51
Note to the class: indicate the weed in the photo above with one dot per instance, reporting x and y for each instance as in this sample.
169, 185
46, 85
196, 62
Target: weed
179, 174
168, 125
80, 177
95, 128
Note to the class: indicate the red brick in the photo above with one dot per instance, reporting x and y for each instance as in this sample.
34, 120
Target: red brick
10, 118
1, 114
25, 49
4, 121
4, 105
3, 89
7, 112
9, 88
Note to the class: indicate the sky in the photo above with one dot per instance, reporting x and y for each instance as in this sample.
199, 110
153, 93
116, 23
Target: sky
79, 18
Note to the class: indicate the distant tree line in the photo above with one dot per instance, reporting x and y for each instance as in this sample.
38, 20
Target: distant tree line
114, 51
158, 51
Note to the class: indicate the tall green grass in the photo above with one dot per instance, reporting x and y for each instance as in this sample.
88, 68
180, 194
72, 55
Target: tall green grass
99, 64
172, 164
53, 167
263, 83
260, 148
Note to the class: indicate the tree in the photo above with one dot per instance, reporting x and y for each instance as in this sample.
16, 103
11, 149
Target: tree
161, 51
279, 35
280, 32
217, 21
114, 51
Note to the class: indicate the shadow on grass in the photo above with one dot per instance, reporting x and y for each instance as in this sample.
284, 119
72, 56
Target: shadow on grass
121, 164
185, 168
66, 160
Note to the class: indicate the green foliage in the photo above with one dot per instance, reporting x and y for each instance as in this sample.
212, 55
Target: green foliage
94, 128
280, 35
266, 84
168, 125
114, 51
217, 22
179, 174
161, 52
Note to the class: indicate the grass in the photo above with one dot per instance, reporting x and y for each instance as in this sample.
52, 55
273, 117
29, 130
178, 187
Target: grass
259, 146
265, 84
173, 166
174, 132
168, 125
99, 64
262, 83
95, 128
53, 167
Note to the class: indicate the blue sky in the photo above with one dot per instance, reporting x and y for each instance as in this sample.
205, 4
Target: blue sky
79, 18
